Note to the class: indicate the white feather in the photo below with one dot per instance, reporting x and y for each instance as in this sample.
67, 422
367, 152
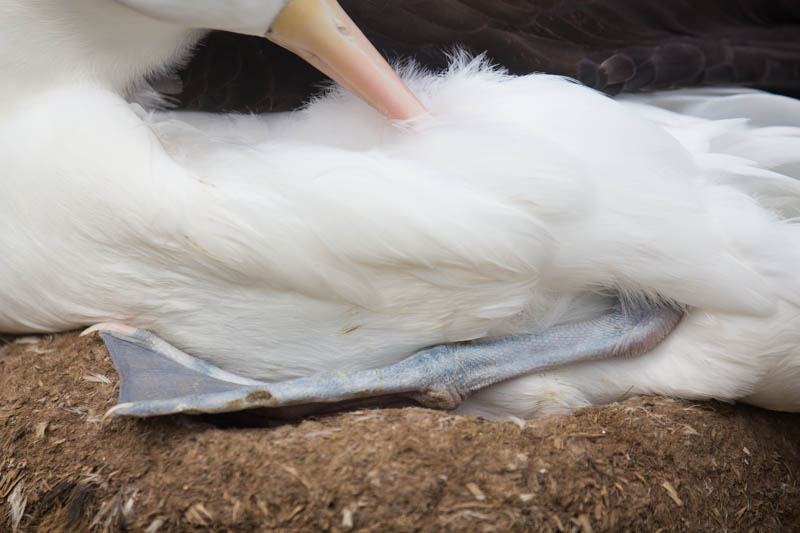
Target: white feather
278, 246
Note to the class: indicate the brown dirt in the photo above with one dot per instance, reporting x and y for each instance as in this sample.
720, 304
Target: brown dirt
645, 464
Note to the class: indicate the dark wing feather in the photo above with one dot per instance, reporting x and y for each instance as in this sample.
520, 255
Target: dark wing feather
611, 45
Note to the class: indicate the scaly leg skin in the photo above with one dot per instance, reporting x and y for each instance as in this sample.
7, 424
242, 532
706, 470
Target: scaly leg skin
158, 379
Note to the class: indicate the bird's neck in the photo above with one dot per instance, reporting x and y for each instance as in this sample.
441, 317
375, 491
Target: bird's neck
51, 42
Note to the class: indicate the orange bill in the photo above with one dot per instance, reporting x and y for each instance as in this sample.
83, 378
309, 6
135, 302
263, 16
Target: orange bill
320, 32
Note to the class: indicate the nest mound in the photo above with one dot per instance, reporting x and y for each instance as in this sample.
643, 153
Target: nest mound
644, 464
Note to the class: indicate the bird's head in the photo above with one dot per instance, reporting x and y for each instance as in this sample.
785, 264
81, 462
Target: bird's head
120, 40
319, 31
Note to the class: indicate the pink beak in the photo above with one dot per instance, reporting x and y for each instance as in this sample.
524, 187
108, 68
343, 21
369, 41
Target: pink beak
320, 32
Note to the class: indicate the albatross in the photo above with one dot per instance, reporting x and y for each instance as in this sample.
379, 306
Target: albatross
505, 245
615, 46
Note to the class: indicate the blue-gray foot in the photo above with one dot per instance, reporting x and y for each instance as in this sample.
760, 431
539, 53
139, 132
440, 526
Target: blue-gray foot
158, 379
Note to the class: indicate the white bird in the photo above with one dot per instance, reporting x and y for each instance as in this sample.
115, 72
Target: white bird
332, 240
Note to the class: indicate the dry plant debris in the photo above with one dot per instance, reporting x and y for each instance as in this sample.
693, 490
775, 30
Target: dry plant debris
644, 464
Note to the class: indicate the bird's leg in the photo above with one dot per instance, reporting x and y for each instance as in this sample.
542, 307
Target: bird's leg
158, 379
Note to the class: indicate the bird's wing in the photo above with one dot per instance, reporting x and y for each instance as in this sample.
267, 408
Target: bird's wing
611, 45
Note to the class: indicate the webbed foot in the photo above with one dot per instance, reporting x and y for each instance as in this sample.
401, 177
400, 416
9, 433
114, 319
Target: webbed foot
159, 379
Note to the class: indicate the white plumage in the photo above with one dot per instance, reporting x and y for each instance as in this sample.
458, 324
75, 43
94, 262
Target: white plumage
278, 246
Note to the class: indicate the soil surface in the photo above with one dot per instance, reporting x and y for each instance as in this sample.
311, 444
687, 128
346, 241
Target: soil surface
649, 464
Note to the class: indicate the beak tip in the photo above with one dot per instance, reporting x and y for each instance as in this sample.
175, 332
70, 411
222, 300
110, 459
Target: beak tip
322, 33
